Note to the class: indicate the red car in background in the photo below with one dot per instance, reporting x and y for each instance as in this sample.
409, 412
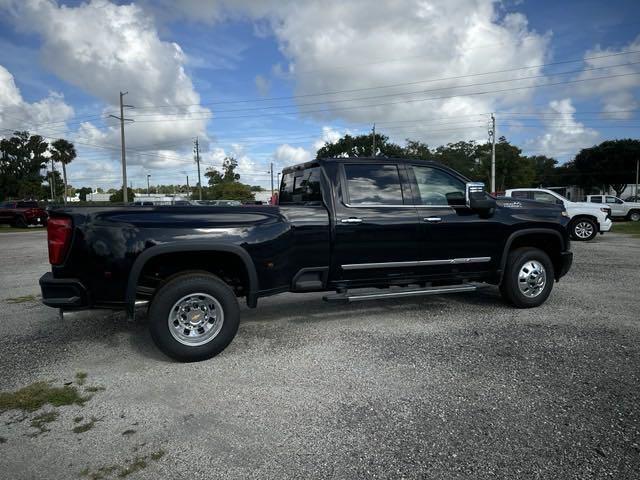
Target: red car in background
22, 213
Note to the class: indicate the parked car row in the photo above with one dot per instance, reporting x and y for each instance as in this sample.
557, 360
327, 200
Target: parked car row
587, 218
21, 214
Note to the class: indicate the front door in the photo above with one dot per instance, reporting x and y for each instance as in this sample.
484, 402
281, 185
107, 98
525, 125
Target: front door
376, 229
454, 239
617, 207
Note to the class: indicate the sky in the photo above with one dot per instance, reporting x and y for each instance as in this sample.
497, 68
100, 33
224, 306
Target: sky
269, 82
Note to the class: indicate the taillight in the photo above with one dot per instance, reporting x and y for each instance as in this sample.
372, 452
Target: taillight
58, 238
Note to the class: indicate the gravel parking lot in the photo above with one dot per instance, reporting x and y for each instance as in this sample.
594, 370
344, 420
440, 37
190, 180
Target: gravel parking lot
458, 386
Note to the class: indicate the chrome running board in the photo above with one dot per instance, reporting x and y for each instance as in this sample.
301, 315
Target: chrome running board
360, 296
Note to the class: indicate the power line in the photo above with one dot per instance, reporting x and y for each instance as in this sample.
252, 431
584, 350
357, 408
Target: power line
393, 85
415, 92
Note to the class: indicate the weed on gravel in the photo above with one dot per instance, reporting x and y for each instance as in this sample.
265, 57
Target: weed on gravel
40, 421
38, 394
131, 466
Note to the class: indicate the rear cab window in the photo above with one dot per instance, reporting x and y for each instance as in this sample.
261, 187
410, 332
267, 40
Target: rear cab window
301, 187
596, 199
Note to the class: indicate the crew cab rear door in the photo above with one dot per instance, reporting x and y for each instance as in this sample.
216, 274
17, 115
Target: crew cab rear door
453, 238
376, 223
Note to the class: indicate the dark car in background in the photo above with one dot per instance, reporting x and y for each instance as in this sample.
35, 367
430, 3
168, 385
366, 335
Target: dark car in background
23, 213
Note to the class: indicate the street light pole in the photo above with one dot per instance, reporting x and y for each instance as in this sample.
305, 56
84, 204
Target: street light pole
148, 177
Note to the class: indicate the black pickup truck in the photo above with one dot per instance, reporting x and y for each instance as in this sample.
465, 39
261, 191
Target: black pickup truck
362, 228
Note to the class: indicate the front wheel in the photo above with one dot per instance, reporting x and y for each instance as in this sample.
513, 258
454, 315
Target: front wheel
634, 216
528, 278
583, 229
194, 317
20, 222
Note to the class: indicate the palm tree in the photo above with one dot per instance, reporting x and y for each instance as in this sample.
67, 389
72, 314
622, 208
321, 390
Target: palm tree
64, 152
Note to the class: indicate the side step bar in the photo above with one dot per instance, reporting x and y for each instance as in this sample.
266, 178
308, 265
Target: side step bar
356, 297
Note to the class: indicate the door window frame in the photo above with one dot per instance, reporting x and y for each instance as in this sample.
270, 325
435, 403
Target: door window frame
417, 199
405, 185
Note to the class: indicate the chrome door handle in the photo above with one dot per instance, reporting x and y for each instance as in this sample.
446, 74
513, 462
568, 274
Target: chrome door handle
351, 220
432, 219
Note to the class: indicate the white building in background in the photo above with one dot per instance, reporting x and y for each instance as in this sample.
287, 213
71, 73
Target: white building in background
263, 197
98, 197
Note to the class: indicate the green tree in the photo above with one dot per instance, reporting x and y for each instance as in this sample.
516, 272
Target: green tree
360, 146
117, 197
461, 156
610, 165
64, 152
512, 169
545, 171
82, 192
58, 185
228, 191
21, 161
417, 149
227, 175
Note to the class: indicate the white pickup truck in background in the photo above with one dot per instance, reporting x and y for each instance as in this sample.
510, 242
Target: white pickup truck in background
619, 208
587, 219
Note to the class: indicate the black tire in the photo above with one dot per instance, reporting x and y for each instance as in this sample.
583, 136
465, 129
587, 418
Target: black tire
510, 288
19, 222
583, 229
175, 290
634, 215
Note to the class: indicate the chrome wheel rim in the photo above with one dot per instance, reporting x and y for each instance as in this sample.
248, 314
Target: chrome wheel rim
196, 319
532, 279
583, 229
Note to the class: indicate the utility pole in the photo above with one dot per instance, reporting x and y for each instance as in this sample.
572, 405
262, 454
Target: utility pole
271, 171
188, 189
197, 152
637, 168
493, 153
148, 176
53, 181
123, 154
373, 146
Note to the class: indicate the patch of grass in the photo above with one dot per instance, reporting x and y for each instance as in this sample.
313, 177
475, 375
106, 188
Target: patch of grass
94, 389
137, 463
99, 474
23, 299
81, 377
158, 455
40, 421
631, 228
85, 427
36, 395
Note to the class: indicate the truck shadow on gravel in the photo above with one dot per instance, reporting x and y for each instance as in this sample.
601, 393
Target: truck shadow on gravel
110, 329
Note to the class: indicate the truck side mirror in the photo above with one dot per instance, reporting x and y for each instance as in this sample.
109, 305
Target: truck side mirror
478, 200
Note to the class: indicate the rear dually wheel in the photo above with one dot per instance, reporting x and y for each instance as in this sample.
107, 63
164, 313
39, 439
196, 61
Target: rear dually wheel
194, 317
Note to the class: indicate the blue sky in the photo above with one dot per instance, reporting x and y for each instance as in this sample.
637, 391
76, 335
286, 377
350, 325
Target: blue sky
271, 81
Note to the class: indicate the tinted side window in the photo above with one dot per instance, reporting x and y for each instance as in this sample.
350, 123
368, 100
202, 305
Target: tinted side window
301, 187
521, 194
596, 199
286, 188
306, 186
437, 187
544, 197
374, 184
27, 204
